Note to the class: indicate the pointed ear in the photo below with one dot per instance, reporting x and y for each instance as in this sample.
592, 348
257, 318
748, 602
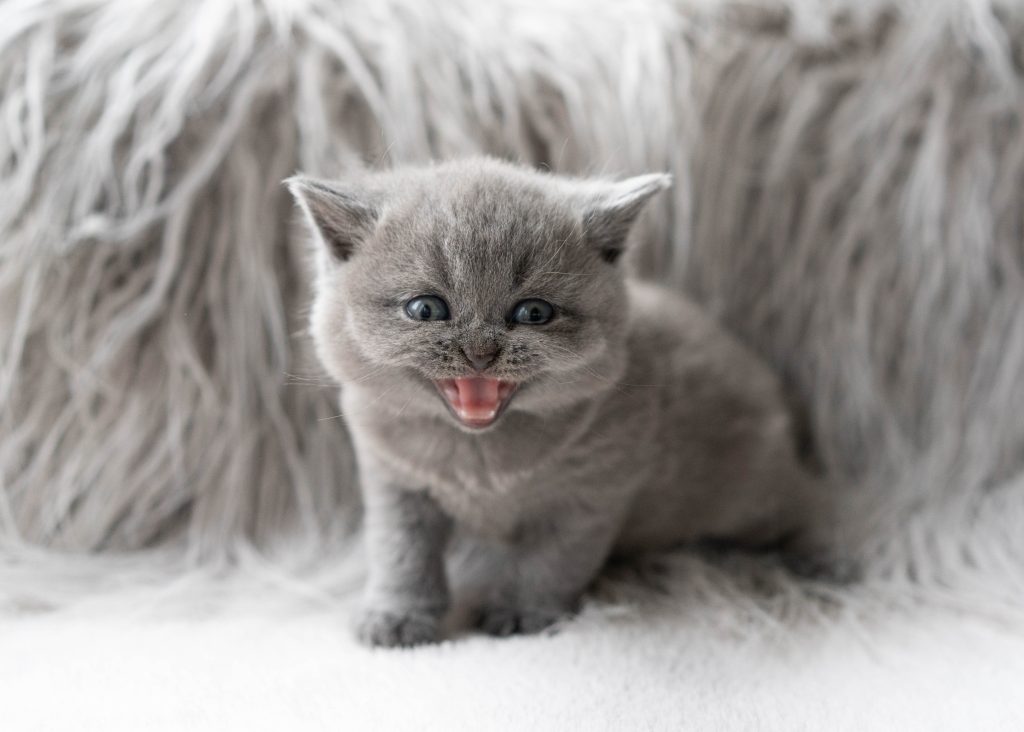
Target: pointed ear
610, 214
340, 216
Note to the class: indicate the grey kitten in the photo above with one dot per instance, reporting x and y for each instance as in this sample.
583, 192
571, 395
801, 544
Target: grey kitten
505, 383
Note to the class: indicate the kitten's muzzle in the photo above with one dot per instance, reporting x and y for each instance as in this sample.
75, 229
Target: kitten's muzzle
481, 356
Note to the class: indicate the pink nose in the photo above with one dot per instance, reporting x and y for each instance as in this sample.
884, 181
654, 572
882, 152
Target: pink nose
481, 358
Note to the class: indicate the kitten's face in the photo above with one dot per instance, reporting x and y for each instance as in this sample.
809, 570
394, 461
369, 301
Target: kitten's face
469, 290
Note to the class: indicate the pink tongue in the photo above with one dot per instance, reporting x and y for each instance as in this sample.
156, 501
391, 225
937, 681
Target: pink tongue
478, 398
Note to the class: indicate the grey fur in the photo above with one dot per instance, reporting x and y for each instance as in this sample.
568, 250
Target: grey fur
638, 423
847, 201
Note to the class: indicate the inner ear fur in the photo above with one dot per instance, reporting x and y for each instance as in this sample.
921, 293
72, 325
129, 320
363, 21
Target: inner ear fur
340, 216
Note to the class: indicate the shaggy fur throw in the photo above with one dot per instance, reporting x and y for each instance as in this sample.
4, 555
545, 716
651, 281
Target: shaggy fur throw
850, 202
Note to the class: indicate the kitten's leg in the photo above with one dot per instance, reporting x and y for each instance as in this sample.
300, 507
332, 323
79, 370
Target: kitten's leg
407, 591
541, 575
817, 547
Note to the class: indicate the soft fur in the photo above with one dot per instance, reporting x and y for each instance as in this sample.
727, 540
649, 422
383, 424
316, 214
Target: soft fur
635, 424
847, 202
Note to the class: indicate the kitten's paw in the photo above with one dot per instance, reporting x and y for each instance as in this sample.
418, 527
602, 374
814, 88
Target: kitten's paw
388, 629
504, 621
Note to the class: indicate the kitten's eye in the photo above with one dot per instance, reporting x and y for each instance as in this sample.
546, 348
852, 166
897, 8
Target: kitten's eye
427, 307
533, 312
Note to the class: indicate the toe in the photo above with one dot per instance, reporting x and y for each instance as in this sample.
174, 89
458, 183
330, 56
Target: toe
505, 621
388, 629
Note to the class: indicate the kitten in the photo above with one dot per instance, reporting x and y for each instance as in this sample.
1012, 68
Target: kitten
504, 381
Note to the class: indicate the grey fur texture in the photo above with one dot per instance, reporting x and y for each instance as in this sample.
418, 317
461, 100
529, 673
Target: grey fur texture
636, 424
847, 201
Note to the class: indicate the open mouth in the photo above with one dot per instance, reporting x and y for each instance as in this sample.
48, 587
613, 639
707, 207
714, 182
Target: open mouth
476, 401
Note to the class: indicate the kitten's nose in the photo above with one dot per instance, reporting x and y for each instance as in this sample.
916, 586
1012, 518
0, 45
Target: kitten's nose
481, 356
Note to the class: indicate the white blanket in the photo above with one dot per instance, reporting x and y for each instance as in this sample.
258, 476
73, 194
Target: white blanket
705, 648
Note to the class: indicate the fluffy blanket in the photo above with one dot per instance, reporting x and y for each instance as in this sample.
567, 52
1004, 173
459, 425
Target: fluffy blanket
849, 201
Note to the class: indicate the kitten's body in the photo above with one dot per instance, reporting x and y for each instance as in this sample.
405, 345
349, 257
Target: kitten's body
635, 423
691, 440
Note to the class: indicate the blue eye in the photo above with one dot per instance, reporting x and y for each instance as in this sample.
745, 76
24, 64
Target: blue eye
533, 312
427, 307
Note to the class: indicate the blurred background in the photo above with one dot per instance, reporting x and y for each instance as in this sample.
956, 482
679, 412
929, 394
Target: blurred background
849, 201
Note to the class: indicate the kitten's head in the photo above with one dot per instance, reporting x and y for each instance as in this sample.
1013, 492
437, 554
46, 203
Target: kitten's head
473, 287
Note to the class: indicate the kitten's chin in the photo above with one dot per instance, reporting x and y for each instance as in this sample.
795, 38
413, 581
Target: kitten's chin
476, 401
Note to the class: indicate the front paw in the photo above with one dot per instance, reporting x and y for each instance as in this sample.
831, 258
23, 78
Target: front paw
502, 620
394, 629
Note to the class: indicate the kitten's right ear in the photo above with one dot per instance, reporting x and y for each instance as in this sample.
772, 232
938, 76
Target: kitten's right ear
341, 217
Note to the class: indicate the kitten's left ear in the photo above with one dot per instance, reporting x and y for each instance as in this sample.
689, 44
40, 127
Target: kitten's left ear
341, 217
608, 217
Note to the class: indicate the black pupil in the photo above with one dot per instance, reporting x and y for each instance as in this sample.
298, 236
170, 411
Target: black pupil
424, 310
533, 312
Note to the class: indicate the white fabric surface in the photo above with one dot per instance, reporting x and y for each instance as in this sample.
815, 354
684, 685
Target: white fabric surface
729, 646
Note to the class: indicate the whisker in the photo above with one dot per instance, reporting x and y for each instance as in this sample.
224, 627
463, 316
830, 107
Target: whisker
367, 405
368, 375
559, 248
404, 407
302, 378
339, 415
569, 274
590, 370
